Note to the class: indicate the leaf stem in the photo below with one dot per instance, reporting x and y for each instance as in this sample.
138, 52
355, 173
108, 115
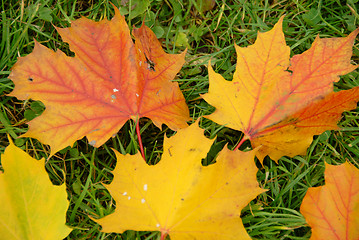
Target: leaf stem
163, 236
241, 142
140, 139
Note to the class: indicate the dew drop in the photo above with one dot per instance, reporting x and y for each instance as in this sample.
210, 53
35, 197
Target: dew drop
140, 63
143, 200
124, 194
137, 95
145, 187
129, 198
92, 143
158, 225
113, 96
115, 90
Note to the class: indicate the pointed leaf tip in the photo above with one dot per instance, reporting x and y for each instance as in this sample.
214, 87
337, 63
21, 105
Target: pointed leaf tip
29, 200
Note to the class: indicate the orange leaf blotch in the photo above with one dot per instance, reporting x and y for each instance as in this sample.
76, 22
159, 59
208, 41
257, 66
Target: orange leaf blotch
294, 134
94, 93
315, 70
332, 210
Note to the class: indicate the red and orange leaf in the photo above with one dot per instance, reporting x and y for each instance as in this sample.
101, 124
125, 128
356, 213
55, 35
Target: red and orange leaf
293, 135
269, 87
109, 81
332, 210
180, 197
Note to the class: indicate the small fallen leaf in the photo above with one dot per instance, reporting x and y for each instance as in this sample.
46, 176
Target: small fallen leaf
332, 210
179, 196
268, 87
109, 81
31, 207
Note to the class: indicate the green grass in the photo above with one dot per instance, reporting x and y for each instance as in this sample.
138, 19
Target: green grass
209, 35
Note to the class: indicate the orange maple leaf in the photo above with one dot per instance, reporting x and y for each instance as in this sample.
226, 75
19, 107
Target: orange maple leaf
109, 81
332, 210
268, 87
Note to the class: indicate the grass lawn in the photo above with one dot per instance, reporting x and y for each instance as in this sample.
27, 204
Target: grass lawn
211, 34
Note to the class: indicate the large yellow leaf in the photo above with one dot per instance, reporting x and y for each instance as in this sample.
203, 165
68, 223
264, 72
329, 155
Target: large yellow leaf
332, 210
31, 207
269, 87
179, 196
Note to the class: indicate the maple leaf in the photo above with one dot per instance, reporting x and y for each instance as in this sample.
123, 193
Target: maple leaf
31, 207
109, 81
268, 86
179, 196
332, 210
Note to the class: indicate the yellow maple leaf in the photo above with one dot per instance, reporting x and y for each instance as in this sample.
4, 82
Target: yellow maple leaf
179, 196
31, 207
